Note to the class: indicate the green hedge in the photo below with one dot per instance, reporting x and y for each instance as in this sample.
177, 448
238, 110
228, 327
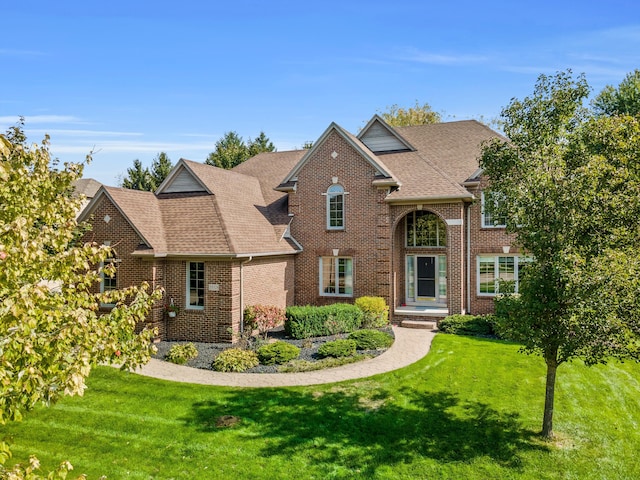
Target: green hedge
375, 311
477, 325
310, 321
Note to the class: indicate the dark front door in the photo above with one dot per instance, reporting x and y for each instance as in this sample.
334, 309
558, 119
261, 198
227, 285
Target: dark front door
426, 276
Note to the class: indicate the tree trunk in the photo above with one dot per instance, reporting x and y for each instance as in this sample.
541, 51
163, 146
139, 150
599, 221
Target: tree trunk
551, 359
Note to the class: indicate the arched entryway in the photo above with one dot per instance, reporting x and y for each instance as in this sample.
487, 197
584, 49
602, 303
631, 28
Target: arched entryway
424, 247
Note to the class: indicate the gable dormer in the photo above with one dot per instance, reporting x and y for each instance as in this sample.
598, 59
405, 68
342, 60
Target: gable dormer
379, 137
181, 180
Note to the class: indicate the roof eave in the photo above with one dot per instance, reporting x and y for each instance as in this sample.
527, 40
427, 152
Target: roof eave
429, 199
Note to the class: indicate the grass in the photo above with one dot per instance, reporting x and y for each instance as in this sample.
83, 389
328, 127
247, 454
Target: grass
470, 409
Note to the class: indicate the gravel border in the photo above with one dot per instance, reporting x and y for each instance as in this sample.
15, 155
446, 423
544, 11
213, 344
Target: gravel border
207, 352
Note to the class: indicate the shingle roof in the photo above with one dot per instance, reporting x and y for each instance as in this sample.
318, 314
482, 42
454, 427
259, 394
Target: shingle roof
446, 156
142, 210
453, 147
87, 187
231, 221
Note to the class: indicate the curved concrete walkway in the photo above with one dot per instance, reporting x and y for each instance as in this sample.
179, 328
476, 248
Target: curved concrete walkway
410, 346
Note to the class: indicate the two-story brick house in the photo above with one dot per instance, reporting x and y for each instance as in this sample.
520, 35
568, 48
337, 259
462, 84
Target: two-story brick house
391, 212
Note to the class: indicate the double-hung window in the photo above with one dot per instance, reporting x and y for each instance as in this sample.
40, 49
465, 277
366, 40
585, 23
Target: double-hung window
335, 207
336, 276
490, 202
108, 278
500, 274
195, 285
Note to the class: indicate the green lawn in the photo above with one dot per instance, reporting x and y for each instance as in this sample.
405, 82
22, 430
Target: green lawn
469, 410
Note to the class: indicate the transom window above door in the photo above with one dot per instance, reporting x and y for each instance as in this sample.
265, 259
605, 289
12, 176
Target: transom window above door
425, 229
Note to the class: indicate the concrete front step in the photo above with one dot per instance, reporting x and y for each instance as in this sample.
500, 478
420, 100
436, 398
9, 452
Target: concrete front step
418, 324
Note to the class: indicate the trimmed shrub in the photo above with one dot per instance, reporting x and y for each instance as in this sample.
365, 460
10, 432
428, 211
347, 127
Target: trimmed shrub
182, 353
338, 348
475, 325
371, 339
263, 318
375, 311
235, 360
277, 353
309, 321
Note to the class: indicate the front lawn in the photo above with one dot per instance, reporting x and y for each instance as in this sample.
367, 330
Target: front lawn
469, 410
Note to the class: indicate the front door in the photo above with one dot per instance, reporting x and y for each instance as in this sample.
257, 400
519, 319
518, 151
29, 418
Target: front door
426, 279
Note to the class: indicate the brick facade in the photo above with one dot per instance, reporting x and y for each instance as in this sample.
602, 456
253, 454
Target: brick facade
373, 237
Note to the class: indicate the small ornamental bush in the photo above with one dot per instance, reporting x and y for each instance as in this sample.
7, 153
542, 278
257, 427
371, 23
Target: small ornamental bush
371, 339
263, 318
375, 311
475, 325
235, 360
309, 321
277, 353
338, 348
182, 353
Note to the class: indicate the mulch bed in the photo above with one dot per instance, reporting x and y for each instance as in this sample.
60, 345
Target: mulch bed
207, 352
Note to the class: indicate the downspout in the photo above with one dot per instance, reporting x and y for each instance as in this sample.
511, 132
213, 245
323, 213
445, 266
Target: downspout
468, 221
242, 264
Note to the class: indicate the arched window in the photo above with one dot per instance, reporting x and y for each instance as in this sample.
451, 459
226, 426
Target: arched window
425, 229
335, 207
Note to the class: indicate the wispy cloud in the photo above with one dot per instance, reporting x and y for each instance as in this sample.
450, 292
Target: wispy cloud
35, 119
452, 59
132, 147
84, 133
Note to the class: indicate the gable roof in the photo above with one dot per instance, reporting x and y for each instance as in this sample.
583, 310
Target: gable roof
138, 207
379, 137
223, 217
382, 172
421, 163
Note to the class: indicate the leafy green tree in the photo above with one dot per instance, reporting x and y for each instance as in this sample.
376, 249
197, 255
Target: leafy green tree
259, 145
160, 169
143, 178
231, 150
623, 100
51, 332
417, 115
138, 178
570, 185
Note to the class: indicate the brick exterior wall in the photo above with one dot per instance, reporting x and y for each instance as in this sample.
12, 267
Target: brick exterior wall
268, 280
374, 237
131, 271
374, 234
366, 223
484, 241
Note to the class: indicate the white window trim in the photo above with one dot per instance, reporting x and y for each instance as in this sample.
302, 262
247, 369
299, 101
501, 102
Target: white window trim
188, 306
330, 195
321, 278
484, 224
518, 260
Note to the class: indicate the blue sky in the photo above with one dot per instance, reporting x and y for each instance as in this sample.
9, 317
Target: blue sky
129, 79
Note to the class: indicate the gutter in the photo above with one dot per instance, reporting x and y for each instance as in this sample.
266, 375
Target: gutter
223, 256
242, 264
414, 200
